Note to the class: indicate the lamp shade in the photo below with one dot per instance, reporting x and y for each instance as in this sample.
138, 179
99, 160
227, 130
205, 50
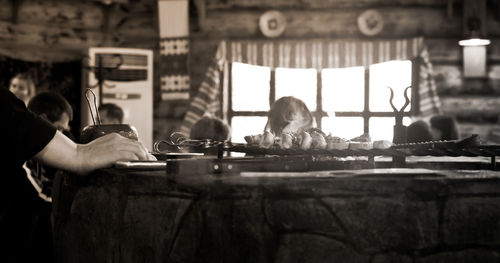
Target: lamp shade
474, 24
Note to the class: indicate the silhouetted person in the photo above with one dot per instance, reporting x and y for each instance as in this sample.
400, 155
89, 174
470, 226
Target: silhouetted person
444, 127
110, 113
289, 115
23, 86
210, 128
418, 131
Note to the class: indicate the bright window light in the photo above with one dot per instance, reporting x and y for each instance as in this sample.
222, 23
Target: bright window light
382, 128
299, 83
394, 74
343, 89
250, 87
344, 127
243, 126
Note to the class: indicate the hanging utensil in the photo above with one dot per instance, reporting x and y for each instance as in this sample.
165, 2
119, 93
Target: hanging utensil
95, 107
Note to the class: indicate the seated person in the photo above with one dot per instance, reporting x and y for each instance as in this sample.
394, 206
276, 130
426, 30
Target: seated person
418, 131
23, 86
441, 128
56, 110
210, 128
110, 113
444, 127
288, 115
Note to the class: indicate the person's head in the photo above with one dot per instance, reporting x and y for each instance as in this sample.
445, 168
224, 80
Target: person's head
52, 107
289, 115
210, 128
110, 113
23, 87
444, 127
418, 131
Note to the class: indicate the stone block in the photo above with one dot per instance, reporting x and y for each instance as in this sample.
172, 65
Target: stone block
462, 256
304, 248
236, 226
391, 258
388, 224
95, 211
472, 221
150, 225
309, 215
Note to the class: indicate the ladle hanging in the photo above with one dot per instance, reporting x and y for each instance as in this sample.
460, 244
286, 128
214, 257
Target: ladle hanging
95, 106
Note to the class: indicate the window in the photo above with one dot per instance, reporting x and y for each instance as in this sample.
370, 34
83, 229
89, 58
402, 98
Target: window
346, 102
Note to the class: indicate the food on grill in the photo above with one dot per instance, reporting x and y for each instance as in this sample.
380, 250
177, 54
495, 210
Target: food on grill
318, 140
362, 142
360, 145
253, 139
313, 139
267, 140
365, 137
336, 143
382, 144
305, 140
286, 141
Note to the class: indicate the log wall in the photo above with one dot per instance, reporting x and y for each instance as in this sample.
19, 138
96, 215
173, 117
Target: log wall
37, 30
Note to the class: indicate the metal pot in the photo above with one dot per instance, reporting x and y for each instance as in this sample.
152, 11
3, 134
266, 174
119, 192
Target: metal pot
93, 132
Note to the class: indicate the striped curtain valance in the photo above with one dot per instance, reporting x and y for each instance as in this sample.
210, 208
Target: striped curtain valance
318, 54
321, 53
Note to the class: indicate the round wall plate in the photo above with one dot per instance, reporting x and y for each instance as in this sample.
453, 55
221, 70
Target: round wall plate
370, 22
272, 23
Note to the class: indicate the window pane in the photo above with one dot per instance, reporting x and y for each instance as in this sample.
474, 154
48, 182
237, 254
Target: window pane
345, 127
250, 87
243, 126
394, 74
382, 128
300, 83
343, 89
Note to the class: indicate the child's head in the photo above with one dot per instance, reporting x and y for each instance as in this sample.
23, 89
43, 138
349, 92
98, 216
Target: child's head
23, 86
418, 131
52, 107
110, 113
210, 128
289, 115
444, 127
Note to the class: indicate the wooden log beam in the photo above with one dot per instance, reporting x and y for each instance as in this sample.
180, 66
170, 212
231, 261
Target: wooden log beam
398, 22
64, 13
78, 14
472, 108
68, 40
318, 4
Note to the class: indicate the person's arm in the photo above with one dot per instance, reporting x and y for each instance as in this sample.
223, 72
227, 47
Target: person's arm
63, 153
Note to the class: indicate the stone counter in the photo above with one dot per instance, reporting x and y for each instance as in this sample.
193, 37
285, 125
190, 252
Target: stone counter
117, 215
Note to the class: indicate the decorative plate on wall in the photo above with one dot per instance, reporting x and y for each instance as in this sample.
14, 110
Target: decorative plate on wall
370, 22
272, 23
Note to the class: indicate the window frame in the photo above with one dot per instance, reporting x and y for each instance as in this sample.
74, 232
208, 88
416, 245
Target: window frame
319, 113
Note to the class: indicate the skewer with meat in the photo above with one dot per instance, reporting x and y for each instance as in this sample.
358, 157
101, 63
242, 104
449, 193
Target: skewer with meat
267, 140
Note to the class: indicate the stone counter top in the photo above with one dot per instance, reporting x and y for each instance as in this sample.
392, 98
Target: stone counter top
379, 215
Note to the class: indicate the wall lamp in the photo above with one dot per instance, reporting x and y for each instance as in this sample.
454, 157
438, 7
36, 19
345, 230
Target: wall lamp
474, 44
474, 29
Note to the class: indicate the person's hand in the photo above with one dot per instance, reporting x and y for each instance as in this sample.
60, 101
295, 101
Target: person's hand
106, 150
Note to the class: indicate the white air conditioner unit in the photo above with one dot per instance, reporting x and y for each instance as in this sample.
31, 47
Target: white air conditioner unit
127, 81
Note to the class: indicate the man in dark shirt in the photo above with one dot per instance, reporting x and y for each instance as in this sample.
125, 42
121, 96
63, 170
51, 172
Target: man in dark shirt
25, 136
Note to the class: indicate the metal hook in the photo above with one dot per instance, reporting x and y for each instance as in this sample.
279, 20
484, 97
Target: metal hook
407, 99
95, 106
